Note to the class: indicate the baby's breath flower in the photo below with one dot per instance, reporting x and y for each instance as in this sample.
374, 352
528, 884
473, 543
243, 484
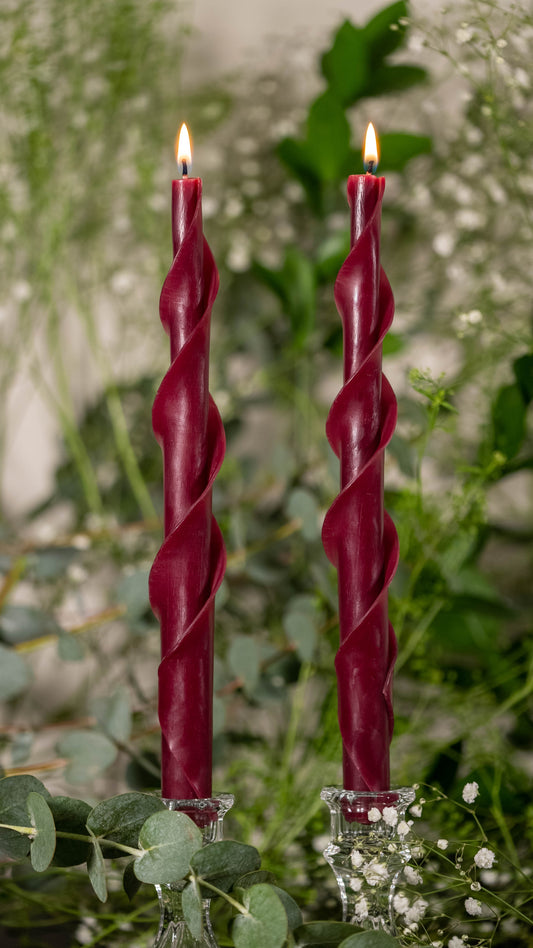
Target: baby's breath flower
412, 875
484, 858
356, 859
473, 906
476, 886
361, 909
390, 815
374, 815
403, 829
401, 904
355, 884
470, 791
442, 843
417, 911
376, 872
464, 34
455, 942
416, 810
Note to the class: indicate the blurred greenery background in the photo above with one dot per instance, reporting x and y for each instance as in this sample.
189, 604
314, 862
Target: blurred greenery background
90, 108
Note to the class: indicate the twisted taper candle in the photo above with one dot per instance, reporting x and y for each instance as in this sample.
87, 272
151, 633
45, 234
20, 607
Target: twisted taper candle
190, 565
359, 537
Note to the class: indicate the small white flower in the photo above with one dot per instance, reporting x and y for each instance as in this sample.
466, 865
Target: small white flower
122, 282
416, 810
485, 858
417, 911
464, 34
401, 904
443, 245
455, 942
470, 791
375, 872
356, 859
476, 886
403, 829
361, 909
501, 43
355, 884
374, 815
442, 844
473, 906
412, 875
390, 815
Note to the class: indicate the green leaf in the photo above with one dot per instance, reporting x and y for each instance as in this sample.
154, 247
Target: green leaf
266, 925
302, 504
51, 563
14, 674
169, 839
130, 882
113, 714
224, 862
43, 846
292, 910
345, 65
69, 648
299, 161
14, 792
380, 39
392, 344
322, 934
398, 148
387, 79
523, 371
23, 623
121, 818
88, 753
370, 940
254, 878
509, 420
96, 870
192, 909
70, 816
244, 659
301, 630
133, 592
328, 137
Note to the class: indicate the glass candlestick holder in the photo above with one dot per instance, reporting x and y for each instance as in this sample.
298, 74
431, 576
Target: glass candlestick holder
208, 814
367, 852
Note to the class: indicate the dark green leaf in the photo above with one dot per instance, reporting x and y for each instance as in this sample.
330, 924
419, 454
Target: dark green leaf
254, 878
328, 137
130, 882
15, 674
70, 816
22, 623
322, 934
509, 420
345, 65
398, 148
266, 925
121, 818
224, 862
44, 843
292, 910
389, 79
380, 39
88, 753
370, 940
392, 344
169, 839
192, 909
13, 795
96, 870
523, 370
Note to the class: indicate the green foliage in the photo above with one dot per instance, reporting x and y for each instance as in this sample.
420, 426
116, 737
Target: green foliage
265, 923
168, 839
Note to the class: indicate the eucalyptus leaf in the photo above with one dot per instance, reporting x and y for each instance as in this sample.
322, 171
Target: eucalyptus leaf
224, 862
88, 754
130, 883
254, 878
121, 818
244, 659
70, 816
51, 563
113, 714
302, 504
14, 792
96, 870
370, 940
133, 592
292, 910
169, 839
15, 674
191, 906
322, 934
23, 623
300, 630
69, 648
44, 844
266, 924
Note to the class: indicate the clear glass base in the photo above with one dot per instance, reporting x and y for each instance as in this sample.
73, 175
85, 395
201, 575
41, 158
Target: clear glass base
368, 851
208, 814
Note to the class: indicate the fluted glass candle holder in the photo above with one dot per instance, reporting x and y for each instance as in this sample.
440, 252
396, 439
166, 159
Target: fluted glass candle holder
367, 852
208, 814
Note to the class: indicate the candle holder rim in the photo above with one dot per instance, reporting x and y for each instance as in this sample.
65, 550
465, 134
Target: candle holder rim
220, 802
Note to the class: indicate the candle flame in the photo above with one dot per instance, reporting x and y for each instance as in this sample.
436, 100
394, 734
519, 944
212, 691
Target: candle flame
371, 151
183, 146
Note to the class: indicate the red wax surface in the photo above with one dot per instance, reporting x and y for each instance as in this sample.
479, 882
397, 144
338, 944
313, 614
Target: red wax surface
190, 565
358, 536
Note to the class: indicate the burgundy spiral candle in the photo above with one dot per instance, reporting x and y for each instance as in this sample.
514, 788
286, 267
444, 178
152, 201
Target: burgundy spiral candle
190, 565
359, 537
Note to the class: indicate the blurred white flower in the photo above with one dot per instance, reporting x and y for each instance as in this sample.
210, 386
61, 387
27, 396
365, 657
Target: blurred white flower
443, 244
456, 942
375, 872
122, 282
238, 258
417, 911
361, 909
464, 34
401, 904
21, 291
416, 810
470, 791
390, 815
412, 875
473, 906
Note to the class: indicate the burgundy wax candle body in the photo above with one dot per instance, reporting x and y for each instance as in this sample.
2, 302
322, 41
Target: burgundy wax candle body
190, 564
359, 537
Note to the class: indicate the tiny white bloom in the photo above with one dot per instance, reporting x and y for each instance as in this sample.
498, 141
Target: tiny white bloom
455, 942
473, 906
485, 858
464, 35
401, 904
470, 791
374, 815
416, 810
375, 872
355, 884
403, 828
390, 815
476, 886
443, 245
356, 859
412, 875
442, 843
417, 910
361, 909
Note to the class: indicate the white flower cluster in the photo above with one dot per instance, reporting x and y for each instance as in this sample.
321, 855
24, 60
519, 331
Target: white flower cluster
470, 791
484, 859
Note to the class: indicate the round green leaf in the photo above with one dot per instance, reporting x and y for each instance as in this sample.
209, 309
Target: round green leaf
243, 659
130, 882
266, 924
169, 839
14, 674
222, 863
22, 623
191, 905
113, 714
44, 844
292, 910
96, 870
121, 818
89, 753
303, 505
13, 795
70, 816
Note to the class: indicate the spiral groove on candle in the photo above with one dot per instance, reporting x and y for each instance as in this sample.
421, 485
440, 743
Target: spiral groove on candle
359, 537
190, 564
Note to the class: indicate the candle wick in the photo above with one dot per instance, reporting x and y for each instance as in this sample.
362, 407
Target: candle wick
184, 169
370, 169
